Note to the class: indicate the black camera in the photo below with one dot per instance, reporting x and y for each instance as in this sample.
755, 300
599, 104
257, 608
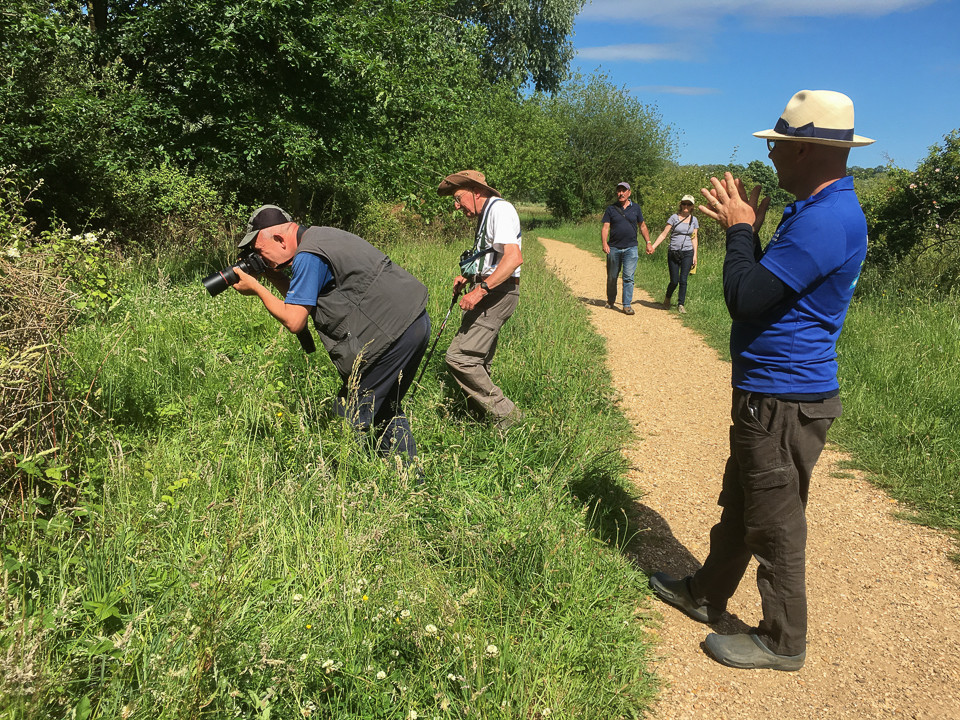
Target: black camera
250, 262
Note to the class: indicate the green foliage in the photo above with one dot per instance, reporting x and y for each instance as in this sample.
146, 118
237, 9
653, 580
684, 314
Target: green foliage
607, 136
524, 40
914, 220
68, 118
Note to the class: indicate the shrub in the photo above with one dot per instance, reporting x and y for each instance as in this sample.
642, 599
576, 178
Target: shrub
914, 220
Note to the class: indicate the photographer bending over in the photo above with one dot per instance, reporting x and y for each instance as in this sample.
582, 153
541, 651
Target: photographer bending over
369, 312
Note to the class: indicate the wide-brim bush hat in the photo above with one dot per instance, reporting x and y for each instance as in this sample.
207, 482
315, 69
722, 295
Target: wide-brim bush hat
824, 117
465, 179
263, 217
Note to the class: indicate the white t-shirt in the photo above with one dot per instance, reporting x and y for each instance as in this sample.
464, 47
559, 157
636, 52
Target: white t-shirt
502, 228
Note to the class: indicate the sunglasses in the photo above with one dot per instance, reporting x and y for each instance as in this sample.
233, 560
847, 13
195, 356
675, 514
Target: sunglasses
771, 144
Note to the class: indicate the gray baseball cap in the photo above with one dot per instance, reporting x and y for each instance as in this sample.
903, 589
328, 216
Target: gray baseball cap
265, 216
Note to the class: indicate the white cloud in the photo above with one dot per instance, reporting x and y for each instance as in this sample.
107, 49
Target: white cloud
671, 13
637, 52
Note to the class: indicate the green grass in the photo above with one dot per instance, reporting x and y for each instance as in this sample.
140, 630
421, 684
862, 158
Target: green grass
231, 550
898, 358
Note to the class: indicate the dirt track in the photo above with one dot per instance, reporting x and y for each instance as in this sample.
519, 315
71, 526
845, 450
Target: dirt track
884, 598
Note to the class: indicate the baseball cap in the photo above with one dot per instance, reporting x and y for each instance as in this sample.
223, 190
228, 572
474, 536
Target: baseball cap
265, 216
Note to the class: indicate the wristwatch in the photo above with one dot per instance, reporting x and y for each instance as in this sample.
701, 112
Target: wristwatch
483, 285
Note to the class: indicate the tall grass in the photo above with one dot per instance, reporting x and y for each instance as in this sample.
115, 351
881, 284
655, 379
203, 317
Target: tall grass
898, 356
231, 550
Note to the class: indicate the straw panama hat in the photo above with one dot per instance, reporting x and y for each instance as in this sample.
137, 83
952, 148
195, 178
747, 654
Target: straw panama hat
823, 117
464, 179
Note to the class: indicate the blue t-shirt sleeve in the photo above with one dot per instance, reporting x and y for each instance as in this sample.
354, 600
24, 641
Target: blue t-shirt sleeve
310, 275
607, 215
805, 254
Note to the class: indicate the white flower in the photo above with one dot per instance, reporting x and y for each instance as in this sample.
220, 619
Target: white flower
413, 715
381, 675
431, 629
297, 598
12, 252
546, 712
451, 676
327, 664
492, 651
304, 657
404, 613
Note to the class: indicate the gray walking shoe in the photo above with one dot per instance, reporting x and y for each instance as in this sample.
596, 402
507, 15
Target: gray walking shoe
677, 593
749, 652
681, 309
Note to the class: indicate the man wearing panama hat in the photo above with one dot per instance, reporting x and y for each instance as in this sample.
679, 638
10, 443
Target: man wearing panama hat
492, 268
788, 301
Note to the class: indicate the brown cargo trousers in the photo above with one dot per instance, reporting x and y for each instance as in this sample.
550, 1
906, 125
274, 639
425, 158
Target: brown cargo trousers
774, 446
471, 352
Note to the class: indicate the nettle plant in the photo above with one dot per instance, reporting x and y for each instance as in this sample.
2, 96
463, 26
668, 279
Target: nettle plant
88, 260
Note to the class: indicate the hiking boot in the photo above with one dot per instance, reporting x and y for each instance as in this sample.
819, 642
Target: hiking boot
628, 310
681, 309
677, 593
749, 652
666, 302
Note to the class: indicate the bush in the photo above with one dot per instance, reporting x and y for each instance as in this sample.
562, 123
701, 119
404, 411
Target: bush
36, 306
914, 220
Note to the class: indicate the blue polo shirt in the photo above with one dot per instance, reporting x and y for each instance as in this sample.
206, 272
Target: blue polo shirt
311, 274
818, 251
623, 225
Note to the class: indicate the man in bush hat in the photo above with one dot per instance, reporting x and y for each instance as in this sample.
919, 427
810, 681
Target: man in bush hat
492, 269
788, 302
370, 314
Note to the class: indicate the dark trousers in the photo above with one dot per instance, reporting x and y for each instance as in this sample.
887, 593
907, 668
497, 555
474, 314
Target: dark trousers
774, 446
374, 396
679, 262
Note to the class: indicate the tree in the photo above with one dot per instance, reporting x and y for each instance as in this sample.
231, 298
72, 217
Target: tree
608, 136
525, 40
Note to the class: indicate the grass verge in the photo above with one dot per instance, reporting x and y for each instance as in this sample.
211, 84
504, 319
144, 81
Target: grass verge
222, 546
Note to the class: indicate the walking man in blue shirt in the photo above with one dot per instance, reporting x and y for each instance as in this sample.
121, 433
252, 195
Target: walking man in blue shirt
788, 302
618, 234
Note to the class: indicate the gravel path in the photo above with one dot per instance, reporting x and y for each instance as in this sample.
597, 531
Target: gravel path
884, 598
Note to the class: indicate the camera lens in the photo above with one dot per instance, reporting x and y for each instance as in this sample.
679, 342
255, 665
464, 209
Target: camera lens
217, 282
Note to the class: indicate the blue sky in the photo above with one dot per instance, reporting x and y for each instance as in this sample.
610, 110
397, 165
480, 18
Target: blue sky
718, 70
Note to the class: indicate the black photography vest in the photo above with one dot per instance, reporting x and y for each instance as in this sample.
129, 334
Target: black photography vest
372, 300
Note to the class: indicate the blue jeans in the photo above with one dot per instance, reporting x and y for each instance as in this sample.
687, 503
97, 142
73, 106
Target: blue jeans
618, 258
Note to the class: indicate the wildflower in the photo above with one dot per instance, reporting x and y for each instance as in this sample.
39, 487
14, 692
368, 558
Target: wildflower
451, 676
404, 613
309, 626
304, 657
913, 186
546, 712
413, 715
327, 664
431, 629
364, 598
12, 252
381, 675
492, 651
297, 597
